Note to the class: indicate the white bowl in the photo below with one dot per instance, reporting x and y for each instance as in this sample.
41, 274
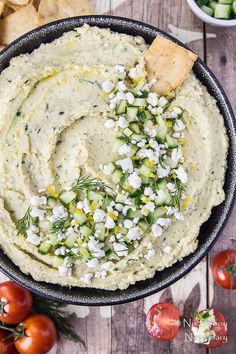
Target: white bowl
208, 19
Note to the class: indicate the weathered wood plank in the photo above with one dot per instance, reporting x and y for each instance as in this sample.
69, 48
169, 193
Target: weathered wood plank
221, 58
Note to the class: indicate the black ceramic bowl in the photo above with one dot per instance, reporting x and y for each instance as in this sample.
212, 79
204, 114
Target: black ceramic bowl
210, 230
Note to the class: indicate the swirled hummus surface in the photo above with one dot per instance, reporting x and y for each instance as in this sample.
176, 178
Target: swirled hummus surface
102, 181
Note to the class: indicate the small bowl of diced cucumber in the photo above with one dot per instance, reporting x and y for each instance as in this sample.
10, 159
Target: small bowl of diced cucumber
215, 12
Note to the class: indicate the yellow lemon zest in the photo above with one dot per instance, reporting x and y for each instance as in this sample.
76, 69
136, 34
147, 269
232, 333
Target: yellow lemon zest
52, 191
152, 175
112, 215
150, 163
146, 199
90, 217
186, 202
182, 141
184, 150
94, 204
117, 229
169, 124
193, 165
128, 186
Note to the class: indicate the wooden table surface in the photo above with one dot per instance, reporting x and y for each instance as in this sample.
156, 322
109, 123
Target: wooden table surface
121, 329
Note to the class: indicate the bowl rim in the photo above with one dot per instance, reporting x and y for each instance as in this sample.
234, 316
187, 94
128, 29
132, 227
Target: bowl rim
46, 289
209, 19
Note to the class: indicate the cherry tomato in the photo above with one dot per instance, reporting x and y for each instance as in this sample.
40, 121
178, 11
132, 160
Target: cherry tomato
226, 278
15, 302
6, 345
220, 329
163, 321
40, 335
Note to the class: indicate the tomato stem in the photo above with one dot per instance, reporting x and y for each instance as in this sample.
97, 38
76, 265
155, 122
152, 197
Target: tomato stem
231, 269
15, 333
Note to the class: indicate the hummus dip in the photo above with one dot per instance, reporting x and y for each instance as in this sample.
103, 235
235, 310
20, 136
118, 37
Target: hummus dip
102, 181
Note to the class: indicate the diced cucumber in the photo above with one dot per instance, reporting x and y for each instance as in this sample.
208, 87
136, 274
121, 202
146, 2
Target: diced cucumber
120, 198
148, 114
170, 162
202, 2
208, 10
225, 1
45, 225
116, 176
172, 143
70, 241
58, 261
138, 87
162, 184
138, 137
134, 127
123, 230
109, 168
53, 238
134, 214
132, 113
51, 202
44, 248
162, 129
212, 5
234, 7
145, 171
157, 213
85, 231
163, 199
67, 197
121, 107
162, 101
85, 254
101, 228
222, 11
140, 102
145, 180
118, 143
133, 150
91, 195
143, 224
127, 132
80, 217
106, 201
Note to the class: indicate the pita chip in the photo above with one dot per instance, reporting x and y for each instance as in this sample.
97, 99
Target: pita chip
169, 64
18, 23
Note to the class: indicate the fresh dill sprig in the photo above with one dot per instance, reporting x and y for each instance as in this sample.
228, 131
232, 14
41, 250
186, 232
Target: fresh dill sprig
151, 220
58, 315
177, 193
88, 183
58, 226
23, 224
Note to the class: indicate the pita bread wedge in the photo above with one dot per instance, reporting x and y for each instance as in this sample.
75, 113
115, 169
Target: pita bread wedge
169, 64
18, 23
2, 4
52, 10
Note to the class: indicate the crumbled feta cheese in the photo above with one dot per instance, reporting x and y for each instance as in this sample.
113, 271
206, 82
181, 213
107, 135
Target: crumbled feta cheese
64, 271
150, 254
122, 122
93, 263
147, 208
176, 154
171, 187
134, 180
107, 265
141, 143
136, 220
86, 208
151, 83
99, 215
121, 86
126, 165
178, 126
120, 69
107, 86
182, 175
134, 234
87, 278
148, 191
110, 123
38, 201
133, 73
177, 110
124, 149
163, 172
163, 222
125, 209
128, 223
152, 99
32, 236
110, 223
150, 129
119, 207
37, 213
167, 249
80, 205
101, 274
157, 230
129, 97
120, 249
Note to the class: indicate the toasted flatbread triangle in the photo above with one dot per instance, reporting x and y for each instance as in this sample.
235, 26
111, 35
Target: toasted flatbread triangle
169, 64
52, 10
1, 7
18, 23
